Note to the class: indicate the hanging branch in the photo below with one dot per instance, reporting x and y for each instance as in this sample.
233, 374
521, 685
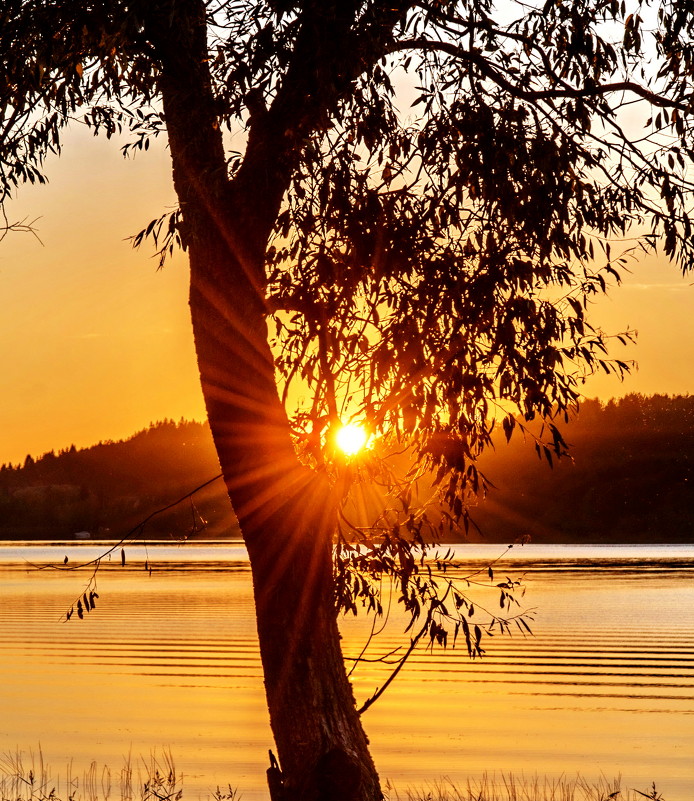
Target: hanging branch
413, 644
85, 602
131, 534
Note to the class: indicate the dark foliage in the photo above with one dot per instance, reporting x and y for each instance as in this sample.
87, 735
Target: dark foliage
630, 479
109, 488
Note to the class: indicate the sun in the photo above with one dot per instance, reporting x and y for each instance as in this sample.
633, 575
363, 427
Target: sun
350, 439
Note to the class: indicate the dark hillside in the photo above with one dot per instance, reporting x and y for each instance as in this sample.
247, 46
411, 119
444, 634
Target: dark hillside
109, 488
630, 478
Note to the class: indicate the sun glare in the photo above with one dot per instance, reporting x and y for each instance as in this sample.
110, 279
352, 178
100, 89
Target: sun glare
351, 439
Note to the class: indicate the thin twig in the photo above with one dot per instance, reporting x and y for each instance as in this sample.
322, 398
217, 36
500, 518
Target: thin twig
132, 531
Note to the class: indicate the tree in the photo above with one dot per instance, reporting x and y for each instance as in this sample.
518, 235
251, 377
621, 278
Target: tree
429, 195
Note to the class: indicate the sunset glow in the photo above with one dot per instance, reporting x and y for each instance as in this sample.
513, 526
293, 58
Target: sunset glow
91, 316
291, 290
351, 439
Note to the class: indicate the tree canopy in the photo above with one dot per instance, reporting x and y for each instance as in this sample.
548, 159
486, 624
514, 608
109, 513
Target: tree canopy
457, 189
427, 197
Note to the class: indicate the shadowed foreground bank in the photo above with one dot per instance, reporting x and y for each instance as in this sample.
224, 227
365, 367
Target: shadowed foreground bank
27, 777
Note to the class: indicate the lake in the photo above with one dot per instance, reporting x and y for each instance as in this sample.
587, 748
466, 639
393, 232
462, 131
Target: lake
168, 660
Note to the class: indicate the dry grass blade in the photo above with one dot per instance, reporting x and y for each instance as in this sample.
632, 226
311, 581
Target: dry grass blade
26, 777
507, 787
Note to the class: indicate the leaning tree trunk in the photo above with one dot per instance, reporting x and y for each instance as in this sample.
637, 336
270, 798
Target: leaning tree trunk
285, 512
287, 519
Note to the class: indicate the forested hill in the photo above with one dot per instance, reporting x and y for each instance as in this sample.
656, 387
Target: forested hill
109, 488
630, 479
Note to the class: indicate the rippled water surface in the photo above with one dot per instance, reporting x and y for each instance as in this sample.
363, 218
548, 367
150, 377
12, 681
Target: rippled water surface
169, 659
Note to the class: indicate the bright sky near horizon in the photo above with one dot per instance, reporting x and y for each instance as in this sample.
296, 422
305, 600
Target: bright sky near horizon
95, 342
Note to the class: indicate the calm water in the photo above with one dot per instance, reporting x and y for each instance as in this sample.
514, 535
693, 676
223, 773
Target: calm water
605, 687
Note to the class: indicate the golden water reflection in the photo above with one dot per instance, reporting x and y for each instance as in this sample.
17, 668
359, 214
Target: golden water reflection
606, 686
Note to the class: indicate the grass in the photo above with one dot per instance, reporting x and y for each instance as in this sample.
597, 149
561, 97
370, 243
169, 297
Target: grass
507, 787
27, 777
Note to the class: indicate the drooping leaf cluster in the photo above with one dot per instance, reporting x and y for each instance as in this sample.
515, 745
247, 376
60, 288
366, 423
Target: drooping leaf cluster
431, 589
63, 63
443, 239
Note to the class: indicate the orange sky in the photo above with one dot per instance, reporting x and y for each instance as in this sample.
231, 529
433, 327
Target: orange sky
95, 342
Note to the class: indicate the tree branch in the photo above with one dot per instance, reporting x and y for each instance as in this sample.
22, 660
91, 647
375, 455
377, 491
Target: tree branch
317, 78
413, 644
494, 74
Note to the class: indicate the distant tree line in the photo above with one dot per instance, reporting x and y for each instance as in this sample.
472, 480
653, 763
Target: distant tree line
109, 488
630, 478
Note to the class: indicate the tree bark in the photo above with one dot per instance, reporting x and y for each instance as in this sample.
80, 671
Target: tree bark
286, 513
287, 518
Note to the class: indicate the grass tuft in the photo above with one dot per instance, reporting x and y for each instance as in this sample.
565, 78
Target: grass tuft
507, 787
27, 777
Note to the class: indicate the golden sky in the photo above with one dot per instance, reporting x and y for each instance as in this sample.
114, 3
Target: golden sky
95, 342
